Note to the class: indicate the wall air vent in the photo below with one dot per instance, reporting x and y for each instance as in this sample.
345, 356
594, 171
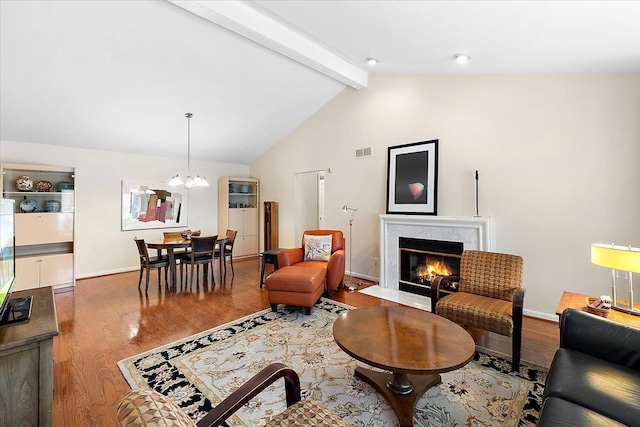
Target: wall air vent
363, 152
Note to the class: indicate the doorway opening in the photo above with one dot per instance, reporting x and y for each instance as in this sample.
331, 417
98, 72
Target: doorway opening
309, 202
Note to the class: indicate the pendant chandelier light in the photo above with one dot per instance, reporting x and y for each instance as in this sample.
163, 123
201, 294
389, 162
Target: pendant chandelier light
198, 181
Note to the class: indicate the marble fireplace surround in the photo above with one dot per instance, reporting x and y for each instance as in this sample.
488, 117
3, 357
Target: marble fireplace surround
474, 233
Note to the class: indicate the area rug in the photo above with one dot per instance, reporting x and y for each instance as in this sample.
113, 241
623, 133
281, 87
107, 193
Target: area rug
199, 371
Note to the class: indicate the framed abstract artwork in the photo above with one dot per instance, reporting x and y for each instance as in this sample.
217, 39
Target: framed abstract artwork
147, 205
412, 178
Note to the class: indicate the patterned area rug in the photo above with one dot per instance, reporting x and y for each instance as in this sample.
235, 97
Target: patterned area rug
199, 371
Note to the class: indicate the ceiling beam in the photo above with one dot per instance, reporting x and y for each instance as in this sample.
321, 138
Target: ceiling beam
247, 21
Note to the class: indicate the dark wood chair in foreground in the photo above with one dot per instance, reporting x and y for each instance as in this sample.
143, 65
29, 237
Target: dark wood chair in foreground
147, 263
201, 253
150, 408
490, 296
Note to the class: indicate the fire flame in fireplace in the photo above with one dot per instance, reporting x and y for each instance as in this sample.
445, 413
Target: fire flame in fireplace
433, 269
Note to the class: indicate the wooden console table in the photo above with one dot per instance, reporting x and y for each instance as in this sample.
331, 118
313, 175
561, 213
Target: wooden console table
577, 301
26, 363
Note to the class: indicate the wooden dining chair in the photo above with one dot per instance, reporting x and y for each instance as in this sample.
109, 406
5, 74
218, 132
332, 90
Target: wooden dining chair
147, 263
201, 253
228, 252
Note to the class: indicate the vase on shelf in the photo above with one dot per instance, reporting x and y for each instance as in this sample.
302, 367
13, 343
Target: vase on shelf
43, 186
52, 206
24, 183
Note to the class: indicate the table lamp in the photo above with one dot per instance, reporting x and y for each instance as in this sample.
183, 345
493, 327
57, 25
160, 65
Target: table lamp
616, 258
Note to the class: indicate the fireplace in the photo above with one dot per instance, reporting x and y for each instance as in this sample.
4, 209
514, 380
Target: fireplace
475, 233
421, 260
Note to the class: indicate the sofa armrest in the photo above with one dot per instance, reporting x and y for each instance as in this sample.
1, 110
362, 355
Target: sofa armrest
599, 337
335, 270
287, 257
252, 388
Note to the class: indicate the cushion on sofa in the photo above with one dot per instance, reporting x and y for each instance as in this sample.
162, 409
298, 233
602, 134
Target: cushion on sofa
307, 412
150, 409
146, 408
606, 388
317, 248
559, 412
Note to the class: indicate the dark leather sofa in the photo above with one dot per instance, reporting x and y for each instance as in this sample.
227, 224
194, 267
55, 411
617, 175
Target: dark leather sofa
594, 379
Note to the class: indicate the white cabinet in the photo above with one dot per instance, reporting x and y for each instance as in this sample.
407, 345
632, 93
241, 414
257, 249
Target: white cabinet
44, 270
44, 227
45, 219
238, 200
245, 221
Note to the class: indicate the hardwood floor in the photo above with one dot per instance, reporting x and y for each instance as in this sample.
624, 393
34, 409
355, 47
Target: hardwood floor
106, 319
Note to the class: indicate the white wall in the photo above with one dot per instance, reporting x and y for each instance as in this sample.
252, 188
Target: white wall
100, 245
558, 159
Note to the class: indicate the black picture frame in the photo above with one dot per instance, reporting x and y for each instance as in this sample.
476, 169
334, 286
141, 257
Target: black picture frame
412, 178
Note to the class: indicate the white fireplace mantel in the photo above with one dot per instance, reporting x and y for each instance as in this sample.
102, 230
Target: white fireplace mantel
475, 233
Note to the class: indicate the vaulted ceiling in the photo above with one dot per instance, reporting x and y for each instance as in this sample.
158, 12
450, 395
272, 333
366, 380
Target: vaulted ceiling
120, 75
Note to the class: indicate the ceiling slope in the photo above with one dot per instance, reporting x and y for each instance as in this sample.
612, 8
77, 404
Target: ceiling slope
120, 75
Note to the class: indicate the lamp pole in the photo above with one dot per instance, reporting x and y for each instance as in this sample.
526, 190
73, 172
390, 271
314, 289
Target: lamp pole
350, 285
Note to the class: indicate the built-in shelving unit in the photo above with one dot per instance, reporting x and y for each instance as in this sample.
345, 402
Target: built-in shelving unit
45, 223
238, 200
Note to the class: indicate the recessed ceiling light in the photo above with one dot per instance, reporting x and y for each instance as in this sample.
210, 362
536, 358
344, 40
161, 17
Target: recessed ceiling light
372, 61
461, 58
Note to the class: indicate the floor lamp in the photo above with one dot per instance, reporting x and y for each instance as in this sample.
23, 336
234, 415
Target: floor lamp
350, 285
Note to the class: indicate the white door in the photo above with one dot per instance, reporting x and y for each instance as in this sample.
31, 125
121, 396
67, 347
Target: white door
306, 203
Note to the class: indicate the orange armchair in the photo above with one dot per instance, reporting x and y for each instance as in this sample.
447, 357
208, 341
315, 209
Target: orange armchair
334, 267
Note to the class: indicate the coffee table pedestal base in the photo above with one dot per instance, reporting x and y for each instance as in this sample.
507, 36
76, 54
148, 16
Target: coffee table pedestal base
402, 404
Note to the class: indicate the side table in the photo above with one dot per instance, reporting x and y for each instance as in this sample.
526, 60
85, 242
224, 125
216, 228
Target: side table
577, 301
268, 257
26, 363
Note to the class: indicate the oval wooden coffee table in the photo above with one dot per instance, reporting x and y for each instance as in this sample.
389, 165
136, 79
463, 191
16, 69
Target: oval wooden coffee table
415, 345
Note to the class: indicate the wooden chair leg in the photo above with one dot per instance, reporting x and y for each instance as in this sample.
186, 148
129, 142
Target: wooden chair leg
183, 266
516, 344
274, 307
140, 278
233, 273
146, 288
516, 338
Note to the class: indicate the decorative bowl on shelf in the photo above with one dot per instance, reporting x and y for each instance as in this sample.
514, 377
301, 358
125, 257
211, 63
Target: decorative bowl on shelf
52, 206
43, 186
29, 205
244, 188
24, 183
65, 185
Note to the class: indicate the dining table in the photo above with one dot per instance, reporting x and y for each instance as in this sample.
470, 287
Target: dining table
170, 244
